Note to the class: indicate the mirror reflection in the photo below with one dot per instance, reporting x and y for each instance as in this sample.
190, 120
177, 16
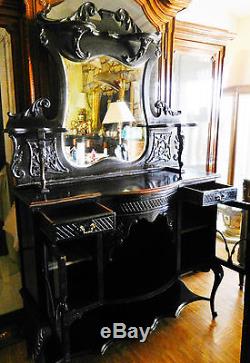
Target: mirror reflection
104, 115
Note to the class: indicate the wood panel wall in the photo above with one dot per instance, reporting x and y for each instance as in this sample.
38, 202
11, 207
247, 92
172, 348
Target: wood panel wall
12, 18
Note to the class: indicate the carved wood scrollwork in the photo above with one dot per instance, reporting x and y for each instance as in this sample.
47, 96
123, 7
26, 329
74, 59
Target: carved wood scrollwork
35, 144
131, 212
145, 205
80, 25
35, 110
78, 34
161, 150
84, 12
167, 148
163, 108
51, 160
42, 336
17, 159
123, 17
146, 40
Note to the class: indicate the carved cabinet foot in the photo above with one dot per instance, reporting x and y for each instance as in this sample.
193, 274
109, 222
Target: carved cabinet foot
218, 276
42, 336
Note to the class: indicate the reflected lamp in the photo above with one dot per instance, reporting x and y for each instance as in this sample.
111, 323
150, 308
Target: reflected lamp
118, 113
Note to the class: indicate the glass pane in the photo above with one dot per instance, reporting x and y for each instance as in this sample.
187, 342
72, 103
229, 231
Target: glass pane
224, 136
104, 113
230, 241
192, 94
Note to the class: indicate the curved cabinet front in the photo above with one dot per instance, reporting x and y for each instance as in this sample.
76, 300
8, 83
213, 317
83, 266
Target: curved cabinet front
112, 251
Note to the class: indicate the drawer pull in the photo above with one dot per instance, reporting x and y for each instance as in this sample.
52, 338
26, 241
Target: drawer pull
210, 193
91, 229
219, 197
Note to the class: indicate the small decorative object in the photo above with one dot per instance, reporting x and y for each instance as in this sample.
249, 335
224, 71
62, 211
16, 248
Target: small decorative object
80, 153
118, 113
93, 155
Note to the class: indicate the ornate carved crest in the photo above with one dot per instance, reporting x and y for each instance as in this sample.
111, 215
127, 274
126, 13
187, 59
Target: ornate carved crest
72, 35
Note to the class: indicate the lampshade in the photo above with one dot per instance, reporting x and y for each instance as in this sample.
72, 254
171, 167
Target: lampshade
81, 101
118, 112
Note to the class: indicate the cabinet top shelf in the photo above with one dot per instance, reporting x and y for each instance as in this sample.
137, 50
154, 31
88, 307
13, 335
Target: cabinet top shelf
132, 185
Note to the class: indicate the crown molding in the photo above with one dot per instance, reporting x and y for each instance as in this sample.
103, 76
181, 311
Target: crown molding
160, 12
202, 34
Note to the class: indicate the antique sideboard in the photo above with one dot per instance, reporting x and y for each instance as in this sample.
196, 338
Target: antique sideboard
109, 219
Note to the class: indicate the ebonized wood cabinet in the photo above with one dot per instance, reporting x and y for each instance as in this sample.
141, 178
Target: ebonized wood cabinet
107, 242
78, 278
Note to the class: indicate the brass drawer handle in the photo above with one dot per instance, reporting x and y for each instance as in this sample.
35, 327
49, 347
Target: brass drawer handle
91, 229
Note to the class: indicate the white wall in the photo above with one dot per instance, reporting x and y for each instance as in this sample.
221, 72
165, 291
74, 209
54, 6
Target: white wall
227, 15
211, 13
237, 61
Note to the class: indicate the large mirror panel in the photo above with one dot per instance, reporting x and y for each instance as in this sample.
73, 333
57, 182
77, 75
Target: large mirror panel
104, 116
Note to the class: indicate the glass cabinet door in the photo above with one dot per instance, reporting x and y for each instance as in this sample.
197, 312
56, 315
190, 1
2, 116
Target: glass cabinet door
196, 88
192, 93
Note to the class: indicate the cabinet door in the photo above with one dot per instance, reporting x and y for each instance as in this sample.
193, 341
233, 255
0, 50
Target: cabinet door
196, 88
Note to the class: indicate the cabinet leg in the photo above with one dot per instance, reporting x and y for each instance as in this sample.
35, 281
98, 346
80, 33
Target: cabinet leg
241, 280
66, 345
218, 276
42, 336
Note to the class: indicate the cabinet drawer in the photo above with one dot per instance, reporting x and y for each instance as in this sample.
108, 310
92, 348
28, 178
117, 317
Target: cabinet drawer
211, 193
76, 221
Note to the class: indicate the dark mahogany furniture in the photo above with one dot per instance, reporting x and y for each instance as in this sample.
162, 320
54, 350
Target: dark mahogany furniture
106, 238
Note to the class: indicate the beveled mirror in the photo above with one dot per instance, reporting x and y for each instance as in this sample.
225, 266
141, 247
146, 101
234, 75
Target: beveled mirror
104, 116
103, 59
108, 118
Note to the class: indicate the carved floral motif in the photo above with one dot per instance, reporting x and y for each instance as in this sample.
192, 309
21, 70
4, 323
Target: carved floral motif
161, 150
50, 158
17, 171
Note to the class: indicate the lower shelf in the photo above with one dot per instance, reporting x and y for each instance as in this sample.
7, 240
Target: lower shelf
85, 334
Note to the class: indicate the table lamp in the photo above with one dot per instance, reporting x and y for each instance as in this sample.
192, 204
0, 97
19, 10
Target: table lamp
119, 113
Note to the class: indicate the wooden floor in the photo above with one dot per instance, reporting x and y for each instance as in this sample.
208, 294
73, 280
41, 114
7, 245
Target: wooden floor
191, 338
